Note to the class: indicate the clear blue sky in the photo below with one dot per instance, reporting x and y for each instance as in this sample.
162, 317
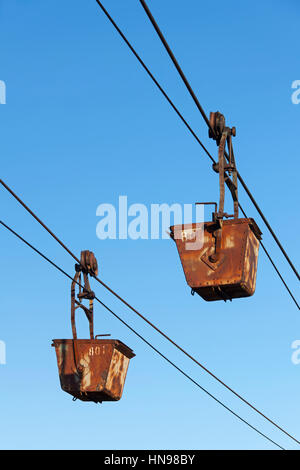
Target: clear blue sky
82, 125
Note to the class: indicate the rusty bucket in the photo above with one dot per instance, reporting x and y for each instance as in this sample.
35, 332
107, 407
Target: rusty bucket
92, 369
219, 258
233, 273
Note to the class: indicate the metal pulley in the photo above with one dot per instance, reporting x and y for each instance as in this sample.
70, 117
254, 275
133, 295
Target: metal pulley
90, 369
223, 266
88, 262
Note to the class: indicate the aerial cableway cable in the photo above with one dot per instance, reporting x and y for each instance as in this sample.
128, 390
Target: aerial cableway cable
144, 340
196, 101
149, 322
184, 121
197, 138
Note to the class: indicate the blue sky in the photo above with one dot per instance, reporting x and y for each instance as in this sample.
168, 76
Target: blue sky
82, 125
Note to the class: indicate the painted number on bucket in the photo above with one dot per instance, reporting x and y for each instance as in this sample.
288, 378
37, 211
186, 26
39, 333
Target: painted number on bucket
188, 235
95, 351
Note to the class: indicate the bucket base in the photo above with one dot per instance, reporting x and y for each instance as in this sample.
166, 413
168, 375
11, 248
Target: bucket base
96, 397
211, 294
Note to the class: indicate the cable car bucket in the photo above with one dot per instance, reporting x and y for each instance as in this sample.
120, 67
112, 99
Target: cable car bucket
224, 265
90, 369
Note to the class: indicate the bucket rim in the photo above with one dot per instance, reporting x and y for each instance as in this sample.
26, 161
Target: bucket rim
119, 345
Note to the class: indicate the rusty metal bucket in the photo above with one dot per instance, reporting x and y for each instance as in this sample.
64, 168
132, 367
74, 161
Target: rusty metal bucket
233, 275
92, 369
222, 264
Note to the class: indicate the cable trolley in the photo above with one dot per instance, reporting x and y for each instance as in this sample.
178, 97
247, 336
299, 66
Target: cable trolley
219, 258
90, 369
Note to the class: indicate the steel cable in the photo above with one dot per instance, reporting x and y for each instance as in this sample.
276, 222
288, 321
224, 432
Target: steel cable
196, 101
148, 321
143, 339
183, 120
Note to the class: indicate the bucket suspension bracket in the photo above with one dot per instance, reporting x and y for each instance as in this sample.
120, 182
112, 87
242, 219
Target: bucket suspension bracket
88, 266
223, 135
227, 174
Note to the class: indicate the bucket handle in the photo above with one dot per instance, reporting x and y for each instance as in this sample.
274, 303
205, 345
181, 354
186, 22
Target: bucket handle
84, 293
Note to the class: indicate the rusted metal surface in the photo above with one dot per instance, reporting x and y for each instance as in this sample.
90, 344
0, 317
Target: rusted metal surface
233, 274
92, 370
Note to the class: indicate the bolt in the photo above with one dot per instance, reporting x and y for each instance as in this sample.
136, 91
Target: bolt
213, 258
